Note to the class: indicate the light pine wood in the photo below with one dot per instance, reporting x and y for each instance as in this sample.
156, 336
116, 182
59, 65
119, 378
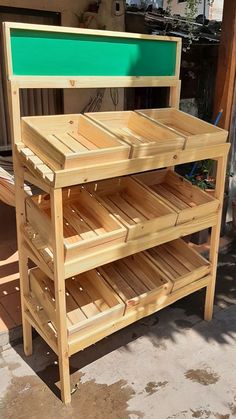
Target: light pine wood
134, 206
70, 177
83, 263
67, 141
187, 200
60, 296
142, 135
73, 303
215, 236
77, 343
14, 115
86, 223
197, 133
49, 28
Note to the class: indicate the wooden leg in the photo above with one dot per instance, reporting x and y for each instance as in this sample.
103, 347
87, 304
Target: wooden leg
27, 328
23, 259
59, 283
215, 237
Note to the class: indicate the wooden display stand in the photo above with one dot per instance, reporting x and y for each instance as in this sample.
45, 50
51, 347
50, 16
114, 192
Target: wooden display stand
107, 248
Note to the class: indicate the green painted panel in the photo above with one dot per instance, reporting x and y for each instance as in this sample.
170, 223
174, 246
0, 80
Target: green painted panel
39, 53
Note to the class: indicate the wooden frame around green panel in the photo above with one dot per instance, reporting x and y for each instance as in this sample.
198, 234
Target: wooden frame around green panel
49, 56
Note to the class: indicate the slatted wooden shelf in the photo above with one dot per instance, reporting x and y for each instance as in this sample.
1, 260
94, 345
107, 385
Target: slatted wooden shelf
70, 141
120, 290
197, 133
179, 262
86, 223
133, 205
144, 137
108, 252
86, 174
187, 200
99, 296
90, 260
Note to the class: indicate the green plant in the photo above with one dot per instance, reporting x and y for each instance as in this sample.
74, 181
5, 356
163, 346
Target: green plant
202, 176
191, 11
169, 6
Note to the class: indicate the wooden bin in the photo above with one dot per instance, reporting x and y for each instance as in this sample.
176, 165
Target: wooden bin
197, 133
137, 281
145, 137
90, 301
187, 200
133, 205
86, 222
70, 141
179, 262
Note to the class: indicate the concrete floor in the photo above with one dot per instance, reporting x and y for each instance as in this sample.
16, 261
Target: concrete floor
171, 365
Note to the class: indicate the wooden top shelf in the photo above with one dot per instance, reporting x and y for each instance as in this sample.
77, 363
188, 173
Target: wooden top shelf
66, 150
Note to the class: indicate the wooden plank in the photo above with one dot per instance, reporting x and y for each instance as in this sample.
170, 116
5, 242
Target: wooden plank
117, 282
60, 300
122, 168
81, 297
96, 296
215, 236
43, 333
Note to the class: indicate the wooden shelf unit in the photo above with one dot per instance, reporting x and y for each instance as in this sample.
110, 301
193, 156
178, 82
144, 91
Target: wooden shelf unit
107, 248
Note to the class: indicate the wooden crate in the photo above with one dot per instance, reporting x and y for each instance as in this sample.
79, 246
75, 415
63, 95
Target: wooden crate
197, 133
133, 205
90, 301
179, 262
86, 222
70, 141
137, 280
145, 137
189, 201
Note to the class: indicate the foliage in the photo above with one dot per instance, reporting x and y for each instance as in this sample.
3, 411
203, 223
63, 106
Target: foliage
202, 177
191, 11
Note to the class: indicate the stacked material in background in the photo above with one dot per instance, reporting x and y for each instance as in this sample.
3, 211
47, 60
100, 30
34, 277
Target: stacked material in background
7, 183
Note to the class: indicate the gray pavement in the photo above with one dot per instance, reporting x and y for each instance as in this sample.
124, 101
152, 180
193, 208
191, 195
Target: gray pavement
171, 365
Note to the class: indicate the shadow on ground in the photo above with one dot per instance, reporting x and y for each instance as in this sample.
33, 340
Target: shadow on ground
159, 327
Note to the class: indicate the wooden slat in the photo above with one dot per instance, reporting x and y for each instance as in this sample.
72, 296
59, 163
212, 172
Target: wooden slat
117, 282
83, 141
71, 142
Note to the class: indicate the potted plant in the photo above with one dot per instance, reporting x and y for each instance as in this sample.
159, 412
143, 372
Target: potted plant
204, 179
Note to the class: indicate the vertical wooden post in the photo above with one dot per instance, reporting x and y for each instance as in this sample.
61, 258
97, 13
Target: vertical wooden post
14, 116
215, 236
23, 259
225, 79
174, 96
60, 297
